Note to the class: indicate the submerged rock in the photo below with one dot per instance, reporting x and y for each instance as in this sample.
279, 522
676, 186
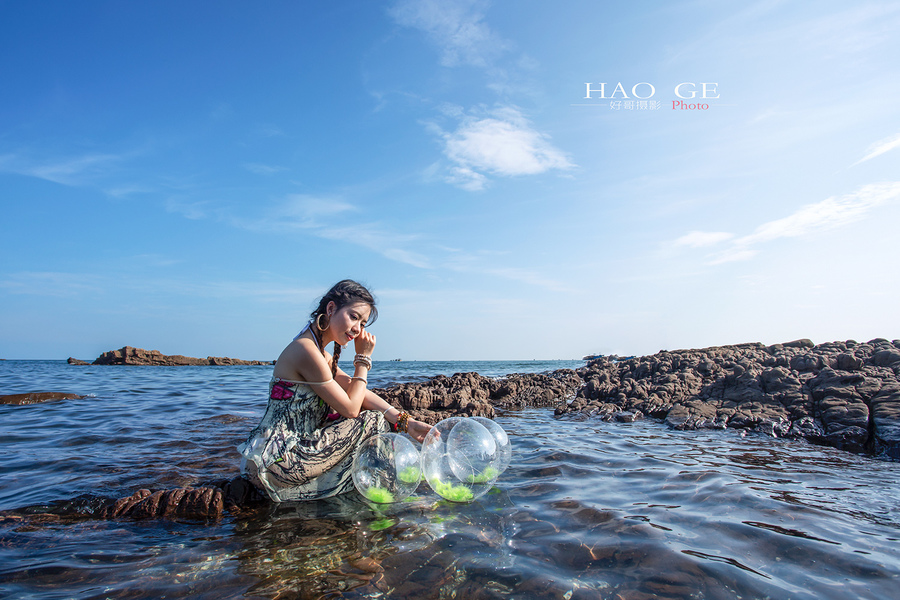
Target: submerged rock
36, 397
207, 502
194, 503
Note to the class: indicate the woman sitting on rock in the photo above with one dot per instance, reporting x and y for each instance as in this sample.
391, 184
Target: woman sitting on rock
318, 415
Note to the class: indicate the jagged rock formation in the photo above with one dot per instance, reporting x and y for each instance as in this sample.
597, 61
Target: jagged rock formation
472, 395
842, 394
139, 356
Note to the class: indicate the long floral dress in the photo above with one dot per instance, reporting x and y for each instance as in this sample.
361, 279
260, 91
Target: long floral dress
299, 451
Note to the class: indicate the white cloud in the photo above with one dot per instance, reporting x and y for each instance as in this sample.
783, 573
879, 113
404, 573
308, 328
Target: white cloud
880, 148
811, 219
501, 143
467, 179
699, 239
457, 27
827, 214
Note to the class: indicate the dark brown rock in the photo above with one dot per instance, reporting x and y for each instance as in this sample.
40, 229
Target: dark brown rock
471, 394
141, 357
843, 394
441, 397
886, 420
36, 397
188, 503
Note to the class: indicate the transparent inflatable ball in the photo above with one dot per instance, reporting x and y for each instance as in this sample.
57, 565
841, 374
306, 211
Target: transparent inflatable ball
460, 459
386, 468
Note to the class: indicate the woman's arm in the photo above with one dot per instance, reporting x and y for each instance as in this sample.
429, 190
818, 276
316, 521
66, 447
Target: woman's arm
417, 429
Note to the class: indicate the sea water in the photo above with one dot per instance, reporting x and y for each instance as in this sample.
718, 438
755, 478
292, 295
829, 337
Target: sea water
586, 509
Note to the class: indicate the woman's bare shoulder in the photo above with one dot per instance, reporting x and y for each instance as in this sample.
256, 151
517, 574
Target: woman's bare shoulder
301, 360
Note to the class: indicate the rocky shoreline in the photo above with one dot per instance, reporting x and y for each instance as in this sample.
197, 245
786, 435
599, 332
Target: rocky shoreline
840, 394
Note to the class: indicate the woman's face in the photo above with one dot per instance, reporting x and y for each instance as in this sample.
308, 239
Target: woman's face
348, 321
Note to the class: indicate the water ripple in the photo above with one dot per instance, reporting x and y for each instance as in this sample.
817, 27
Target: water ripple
586, 509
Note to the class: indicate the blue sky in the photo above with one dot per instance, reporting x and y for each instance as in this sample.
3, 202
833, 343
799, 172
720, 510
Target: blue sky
191, 176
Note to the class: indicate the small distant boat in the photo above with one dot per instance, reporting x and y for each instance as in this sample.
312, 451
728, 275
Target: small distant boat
396, 359
592, 356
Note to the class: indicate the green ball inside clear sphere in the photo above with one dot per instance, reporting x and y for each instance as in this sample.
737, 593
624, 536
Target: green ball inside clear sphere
386, 468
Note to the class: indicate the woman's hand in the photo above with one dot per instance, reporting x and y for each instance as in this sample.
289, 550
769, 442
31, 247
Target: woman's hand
365, 343
417, 429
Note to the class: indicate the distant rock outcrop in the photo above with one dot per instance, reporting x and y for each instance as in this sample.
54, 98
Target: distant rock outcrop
139, 356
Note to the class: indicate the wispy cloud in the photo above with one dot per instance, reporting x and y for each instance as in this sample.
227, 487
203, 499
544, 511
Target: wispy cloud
327, 218
70, 170
71, 286
497, 265
194, 210
880, 148
301, 211
501, 142
53, 284
700, 239
261, 169
811, 219
456, 27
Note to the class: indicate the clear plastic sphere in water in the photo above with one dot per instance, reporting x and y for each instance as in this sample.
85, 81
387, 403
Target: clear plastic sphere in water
386, 468
500, 437
460, 459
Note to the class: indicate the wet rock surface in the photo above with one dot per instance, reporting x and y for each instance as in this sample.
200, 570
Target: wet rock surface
471, 394
841, 394
36, 397
206, 502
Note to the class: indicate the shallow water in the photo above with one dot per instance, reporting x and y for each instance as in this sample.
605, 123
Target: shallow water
586, 509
